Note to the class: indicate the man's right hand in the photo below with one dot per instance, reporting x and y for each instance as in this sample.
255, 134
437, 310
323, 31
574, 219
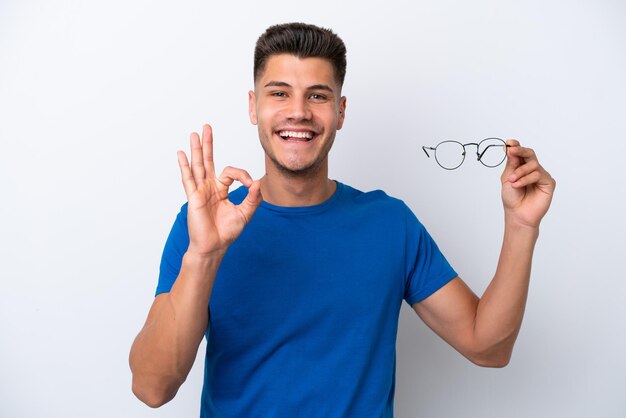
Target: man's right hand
213, 221
164, 351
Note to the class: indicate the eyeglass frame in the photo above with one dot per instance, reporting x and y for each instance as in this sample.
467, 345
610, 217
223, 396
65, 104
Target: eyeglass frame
478, 155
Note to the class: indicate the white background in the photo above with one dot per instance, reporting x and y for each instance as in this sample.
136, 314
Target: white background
96, 97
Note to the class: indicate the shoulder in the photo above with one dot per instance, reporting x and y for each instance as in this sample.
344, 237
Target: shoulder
372, 197
376, 201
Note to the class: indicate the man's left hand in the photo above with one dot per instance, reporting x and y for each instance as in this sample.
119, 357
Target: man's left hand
527, 188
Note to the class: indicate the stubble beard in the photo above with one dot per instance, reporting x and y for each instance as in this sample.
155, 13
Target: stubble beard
306, 171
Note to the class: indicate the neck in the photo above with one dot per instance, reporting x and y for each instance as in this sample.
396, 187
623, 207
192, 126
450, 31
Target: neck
281, 189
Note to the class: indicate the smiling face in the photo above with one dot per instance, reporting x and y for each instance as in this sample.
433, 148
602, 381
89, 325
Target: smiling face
298, 108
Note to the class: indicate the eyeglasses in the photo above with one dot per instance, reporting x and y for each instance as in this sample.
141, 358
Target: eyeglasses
491, 152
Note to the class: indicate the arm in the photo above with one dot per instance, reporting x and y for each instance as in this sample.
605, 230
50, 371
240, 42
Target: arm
163, 352
484, 329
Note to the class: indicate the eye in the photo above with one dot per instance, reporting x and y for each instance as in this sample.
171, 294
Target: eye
317, 96
278, 94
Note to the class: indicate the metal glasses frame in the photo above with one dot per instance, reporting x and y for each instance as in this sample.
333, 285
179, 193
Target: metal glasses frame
479, 156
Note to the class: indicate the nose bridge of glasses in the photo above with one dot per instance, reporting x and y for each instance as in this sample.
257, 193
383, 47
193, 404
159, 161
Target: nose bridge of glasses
472, 143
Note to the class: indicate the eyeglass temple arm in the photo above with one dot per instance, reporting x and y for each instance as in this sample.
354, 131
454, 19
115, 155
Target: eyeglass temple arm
489, 146
426, 152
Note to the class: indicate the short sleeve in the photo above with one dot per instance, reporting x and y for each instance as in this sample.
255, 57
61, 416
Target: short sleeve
427, 270
175, 247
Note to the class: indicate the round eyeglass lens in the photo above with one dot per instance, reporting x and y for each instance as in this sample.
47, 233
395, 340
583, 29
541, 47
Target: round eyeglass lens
450, 154
492, 151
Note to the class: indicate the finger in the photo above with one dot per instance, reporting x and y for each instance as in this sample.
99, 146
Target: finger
518, 156
524, 170
522, 152
207, 150
197, 166
231, 174
527, 180
252, 200
189, 183
512, 161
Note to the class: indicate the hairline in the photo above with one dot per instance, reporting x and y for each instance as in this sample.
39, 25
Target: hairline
261, 69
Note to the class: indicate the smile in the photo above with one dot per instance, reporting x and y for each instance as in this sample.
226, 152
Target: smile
297, 136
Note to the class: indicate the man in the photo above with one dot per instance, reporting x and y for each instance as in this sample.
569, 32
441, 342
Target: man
297, 280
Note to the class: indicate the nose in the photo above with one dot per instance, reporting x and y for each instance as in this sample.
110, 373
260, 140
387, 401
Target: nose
298, 109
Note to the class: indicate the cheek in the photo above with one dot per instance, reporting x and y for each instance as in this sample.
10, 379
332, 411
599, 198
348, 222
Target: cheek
331, 120
265, 117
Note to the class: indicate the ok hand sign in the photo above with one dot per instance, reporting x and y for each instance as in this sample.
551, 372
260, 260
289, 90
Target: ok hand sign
213, 221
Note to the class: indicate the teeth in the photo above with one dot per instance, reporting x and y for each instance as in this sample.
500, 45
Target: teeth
293, 134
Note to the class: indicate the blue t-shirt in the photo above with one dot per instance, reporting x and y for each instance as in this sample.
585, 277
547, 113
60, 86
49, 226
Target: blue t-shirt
305, 306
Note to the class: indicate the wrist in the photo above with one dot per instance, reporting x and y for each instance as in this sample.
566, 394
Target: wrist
521, 229
199, 270
198, 254
202, 260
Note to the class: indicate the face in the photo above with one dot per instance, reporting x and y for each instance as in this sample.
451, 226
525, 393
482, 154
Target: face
298, 108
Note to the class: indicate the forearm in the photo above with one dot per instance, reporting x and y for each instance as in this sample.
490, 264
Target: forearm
501, 309
165, 349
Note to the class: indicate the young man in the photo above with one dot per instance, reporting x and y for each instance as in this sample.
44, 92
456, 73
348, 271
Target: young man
297, 280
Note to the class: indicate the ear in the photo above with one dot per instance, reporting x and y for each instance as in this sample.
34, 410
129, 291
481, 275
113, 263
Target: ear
342, 112
252, 107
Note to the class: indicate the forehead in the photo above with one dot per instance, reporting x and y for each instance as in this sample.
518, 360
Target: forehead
298, 72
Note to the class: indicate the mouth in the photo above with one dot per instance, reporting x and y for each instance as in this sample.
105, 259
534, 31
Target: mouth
301, 136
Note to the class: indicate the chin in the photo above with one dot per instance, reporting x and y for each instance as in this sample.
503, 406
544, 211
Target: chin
299, 168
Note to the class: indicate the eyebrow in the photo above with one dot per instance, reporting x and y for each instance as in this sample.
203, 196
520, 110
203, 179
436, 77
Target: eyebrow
313, 87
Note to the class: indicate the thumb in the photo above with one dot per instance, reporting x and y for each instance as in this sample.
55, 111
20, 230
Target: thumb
512, 161
252, 200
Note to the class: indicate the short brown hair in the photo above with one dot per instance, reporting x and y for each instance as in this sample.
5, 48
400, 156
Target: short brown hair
304, 41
